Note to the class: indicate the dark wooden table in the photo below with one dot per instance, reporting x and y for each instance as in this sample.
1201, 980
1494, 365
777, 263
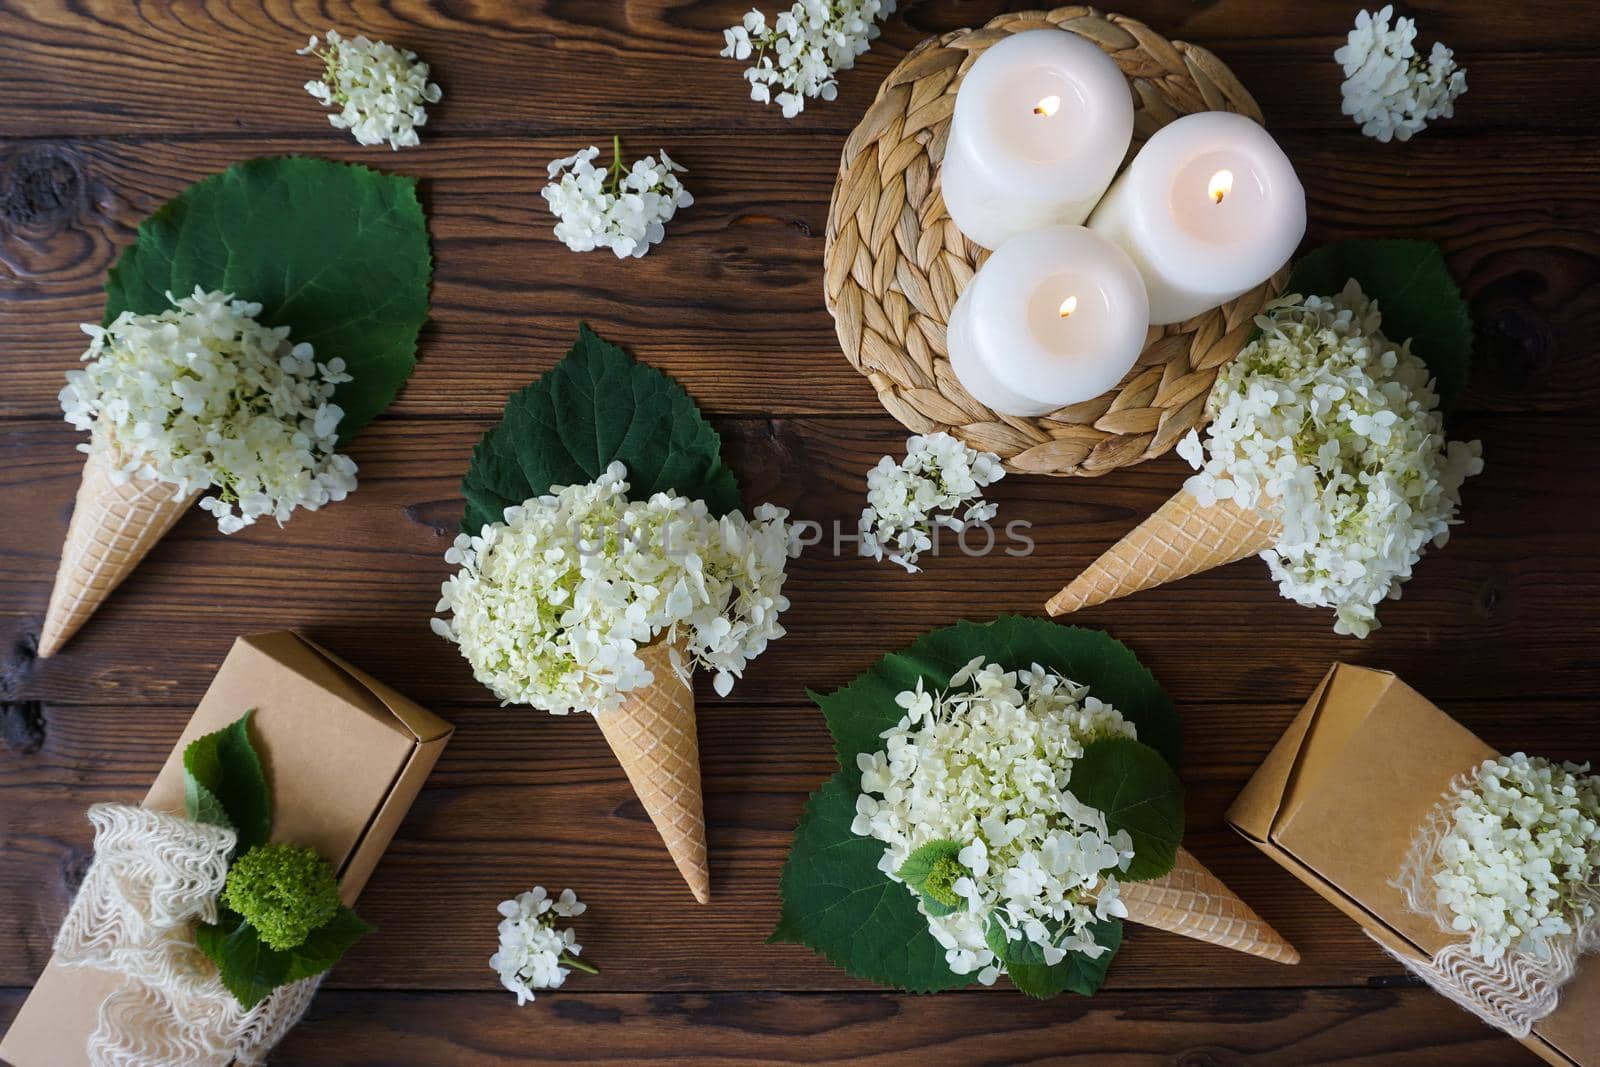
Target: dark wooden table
107, 108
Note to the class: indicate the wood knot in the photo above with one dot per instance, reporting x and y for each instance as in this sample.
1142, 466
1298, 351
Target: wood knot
42, 188
1515, 343
22, 726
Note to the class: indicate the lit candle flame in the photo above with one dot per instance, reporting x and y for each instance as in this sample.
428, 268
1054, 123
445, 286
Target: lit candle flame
1047, 106
1068, 306
1221, 185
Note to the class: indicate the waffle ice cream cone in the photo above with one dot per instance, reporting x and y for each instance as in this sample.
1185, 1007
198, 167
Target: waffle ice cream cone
1180, 539
653, 736
1189, 900
113, 527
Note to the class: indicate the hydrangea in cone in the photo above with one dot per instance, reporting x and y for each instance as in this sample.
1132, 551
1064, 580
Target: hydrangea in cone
551, 605
203, 396
1335, 429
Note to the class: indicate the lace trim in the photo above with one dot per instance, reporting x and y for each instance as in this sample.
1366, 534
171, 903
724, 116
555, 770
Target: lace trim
1512, 993
153, 878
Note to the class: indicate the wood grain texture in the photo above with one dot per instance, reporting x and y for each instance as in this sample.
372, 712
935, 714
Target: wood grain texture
1513, 587
1370, 1027
113, 106
735, 310
151, 67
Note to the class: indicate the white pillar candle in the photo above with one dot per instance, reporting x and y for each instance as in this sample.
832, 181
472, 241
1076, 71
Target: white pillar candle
1042, 122
1055, 317
1209, 209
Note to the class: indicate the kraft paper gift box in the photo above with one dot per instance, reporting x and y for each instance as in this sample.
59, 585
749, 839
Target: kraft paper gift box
1338, 801
345, 756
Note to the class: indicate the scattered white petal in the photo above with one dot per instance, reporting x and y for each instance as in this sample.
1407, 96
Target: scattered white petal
804, 48
533, 953
1389, 89
381, 91
907, 501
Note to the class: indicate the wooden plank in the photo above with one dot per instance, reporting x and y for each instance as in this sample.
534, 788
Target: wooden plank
520, 798
1503, 610
732, 303
1373, 1027
150, 68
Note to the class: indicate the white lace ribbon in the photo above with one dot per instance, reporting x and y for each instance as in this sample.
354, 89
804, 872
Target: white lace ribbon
1521, 987
154, 877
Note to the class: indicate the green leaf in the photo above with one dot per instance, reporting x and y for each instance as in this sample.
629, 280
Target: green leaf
224, 783
595, 406
837, 902
1419, 299
858, 713
1077, 973
920, 864
1139, 793
336, 252
250, 969
327, 944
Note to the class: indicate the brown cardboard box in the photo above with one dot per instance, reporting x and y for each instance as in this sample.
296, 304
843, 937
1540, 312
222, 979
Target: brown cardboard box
344, 755
1338, 800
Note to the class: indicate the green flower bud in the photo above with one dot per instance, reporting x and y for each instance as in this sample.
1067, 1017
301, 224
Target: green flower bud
284, 891
941, 881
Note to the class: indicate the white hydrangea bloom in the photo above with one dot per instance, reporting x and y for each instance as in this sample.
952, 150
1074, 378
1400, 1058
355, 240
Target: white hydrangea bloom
380, 91
533, 953
1326, 423
203, 396
1389, 90
988, 764
804, 48
625, 209
552, 605
1522, 857
939, 474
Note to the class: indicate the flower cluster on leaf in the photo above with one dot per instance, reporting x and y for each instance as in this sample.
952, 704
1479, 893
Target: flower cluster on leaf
203, 396
803, 48
1389, 89
981, 774
551, 605
382, 92
982, 845
285, 891
1325, 423
909, 500
533, 953
1521, 860
623, 208
281, 919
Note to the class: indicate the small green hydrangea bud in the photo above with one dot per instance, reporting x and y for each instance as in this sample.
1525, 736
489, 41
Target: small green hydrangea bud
284, 891
941, 881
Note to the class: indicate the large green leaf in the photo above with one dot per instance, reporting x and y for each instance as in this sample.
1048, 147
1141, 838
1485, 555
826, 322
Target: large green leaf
336, 252
1077, 973
837, 901
224, 783
858, 713
1138, 792
250, 968
1419, 299
595, 406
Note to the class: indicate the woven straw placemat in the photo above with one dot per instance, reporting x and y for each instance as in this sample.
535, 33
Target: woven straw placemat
895, 263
